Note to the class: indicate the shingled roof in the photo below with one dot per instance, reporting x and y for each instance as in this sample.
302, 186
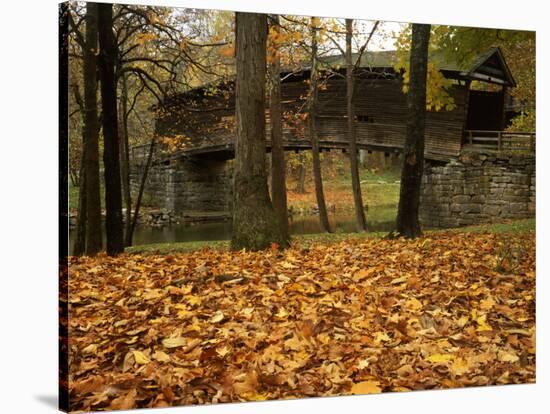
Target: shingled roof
489, 67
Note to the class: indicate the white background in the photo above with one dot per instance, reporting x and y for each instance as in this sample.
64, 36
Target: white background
28, 204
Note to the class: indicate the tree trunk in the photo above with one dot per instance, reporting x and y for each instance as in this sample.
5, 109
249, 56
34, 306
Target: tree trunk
301, 184
130, 233
363, 158
354, 164
73, 174
254, 221
111, 158
90, 157
278, 166
80, 243
413, 151
313, 98
79, 247
125, 161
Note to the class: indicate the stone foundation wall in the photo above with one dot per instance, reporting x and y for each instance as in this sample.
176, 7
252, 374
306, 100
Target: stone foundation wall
478, 188
184, 185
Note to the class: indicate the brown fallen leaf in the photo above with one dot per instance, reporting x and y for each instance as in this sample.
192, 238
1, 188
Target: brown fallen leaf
125, 402
89, 385
90, 349
405, 370
363, 274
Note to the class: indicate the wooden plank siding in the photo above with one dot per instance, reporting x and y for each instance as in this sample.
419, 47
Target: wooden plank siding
380, 109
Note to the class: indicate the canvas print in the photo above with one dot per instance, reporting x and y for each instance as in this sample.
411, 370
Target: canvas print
263, 207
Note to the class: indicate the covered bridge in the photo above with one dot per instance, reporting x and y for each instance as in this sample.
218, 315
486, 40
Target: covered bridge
196, 178
204, 116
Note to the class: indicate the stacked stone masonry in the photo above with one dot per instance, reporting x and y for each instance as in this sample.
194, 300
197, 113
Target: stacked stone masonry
185, 185
478, 188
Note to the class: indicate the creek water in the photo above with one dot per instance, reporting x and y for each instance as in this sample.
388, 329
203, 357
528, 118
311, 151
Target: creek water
379, 219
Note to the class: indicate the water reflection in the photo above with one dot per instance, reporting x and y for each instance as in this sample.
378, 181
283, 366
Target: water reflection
381, 220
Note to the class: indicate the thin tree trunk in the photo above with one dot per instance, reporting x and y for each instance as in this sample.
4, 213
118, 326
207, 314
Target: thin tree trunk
408, 224
254, 221
278, 166
355, 183
363, 158
80, 242
313, 98
94, 236
74, 177
301, 185
130, 232
111, 158
125, 161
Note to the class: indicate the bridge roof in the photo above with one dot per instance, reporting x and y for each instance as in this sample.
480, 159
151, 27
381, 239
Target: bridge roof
488, 67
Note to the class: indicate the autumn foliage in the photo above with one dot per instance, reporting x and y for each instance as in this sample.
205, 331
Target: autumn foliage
361, 316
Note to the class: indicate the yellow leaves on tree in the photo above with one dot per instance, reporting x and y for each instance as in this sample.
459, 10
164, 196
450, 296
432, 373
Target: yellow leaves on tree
437, 86
143, 38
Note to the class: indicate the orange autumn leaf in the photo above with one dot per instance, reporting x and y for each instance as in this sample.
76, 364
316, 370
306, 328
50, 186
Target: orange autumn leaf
366, 387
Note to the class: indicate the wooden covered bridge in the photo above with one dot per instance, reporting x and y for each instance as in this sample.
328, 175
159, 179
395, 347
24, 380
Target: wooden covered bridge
203, 117
202, 120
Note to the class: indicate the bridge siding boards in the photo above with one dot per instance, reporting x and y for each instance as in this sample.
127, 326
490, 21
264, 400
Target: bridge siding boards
380, 107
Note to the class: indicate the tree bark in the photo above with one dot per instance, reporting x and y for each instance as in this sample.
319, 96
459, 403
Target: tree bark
125, 160
94, 236
278, 166
111, 158
73, 175
132, 228
354, 164
408, 224
313, 99
79, 247
363, 158
301, 185
254, 221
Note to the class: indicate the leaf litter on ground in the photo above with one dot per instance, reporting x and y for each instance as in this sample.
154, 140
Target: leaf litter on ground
354, 317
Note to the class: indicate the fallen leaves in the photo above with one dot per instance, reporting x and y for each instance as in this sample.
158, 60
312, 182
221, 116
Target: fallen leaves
459, 366
436, 358
366, 387
161, 356
124, 402
482, 324
355, 317
217, 317
141, 358
413, 304
174, 342
505, 356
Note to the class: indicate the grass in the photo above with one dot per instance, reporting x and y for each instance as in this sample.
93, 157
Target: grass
306, 240
379, 189
510, 226
73, 196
